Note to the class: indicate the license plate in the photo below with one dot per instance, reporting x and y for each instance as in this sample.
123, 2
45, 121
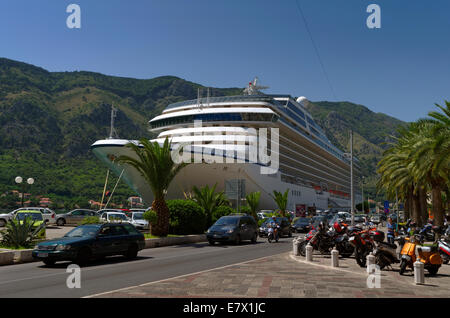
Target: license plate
42, 254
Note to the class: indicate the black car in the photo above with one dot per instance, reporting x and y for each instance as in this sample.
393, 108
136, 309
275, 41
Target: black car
90, 241
285, 227
301, 225
233, 228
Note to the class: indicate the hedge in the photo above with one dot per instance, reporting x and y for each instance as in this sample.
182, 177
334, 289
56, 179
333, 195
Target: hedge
186, 217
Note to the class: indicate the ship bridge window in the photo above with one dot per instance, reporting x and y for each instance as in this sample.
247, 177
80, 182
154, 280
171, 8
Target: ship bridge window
296, 110
211, 118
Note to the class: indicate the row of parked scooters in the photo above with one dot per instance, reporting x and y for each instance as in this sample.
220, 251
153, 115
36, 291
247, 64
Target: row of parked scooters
363, 240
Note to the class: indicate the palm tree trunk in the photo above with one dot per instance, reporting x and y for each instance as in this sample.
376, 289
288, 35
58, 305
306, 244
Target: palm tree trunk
423, 205
416, 209
437, 209
161, 228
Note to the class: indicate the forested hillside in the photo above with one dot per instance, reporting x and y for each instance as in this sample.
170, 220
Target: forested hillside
49, 120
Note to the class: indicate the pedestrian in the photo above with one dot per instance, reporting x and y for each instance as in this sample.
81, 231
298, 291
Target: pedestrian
390, 231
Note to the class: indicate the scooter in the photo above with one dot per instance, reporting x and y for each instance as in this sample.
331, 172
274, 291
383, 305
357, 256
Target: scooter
429, 255
444, 249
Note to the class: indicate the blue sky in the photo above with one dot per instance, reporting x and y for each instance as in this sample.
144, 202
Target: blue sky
401, 69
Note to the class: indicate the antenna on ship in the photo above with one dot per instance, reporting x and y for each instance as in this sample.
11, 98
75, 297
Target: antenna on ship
199, 99
253, 88
113, 132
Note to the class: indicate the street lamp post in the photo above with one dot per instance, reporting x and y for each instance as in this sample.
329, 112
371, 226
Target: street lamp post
362, 193
19, 180
351, 178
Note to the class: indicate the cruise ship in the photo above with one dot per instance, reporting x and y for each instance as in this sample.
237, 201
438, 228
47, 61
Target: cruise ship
221, 134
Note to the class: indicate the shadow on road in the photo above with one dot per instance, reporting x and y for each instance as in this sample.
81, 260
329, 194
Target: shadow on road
99, 262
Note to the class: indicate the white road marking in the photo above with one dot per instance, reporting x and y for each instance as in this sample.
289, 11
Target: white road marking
181, 276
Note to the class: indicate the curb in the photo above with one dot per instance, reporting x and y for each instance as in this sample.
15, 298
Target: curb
25, 256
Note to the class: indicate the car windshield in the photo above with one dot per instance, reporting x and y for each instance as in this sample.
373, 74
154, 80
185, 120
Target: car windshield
84, 230
34, 216
302, 221
268, 221
138, 216
117, 216
227, 221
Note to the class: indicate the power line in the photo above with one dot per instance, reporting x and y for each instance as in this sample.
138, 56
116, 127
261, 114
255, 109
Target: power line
315, 48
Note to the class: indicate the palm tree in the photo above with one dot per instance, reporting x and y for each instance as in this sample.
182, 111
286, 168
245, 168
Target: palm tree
155, 164
281, 199
253, 202
419, 163
209, 200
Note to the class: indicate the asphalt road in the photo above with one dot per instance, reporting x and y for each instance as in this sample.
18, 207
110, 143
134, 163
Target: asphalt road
37, 280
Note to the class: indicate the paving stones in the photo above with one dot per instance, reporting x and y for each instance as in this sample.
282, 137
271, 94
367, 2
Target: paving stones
289, 276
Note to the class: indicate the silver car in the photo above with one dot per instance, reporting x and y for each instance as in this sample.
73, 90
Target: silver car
138, 221
74, 216
48, 215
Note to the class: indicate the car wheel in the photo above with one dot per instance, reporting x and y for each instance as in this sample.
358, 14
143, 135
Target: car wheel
60, 222
132, 252
237, 241
254, 238
83, 256
290, 233
2, 223
49, 262
211, 242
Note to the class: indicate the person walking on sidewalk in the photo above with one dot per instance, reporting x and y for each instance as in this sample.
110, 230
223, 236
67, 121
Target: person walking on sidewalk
391, 227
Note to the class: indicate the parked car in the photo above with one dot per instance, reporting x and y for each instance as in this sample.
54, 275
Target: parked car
35, 216
47, 214
285, 227
137, 219
375, 219
90, 241
301, 225
264, 214
359, 218
74, 216
233, 228
114, 217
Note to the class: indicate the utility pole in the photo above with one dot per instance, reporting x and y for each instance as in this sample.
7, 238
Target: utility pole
351, 178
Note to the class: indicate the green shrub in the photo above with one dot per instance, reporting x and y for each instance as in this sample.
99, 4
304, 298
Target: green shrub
222, 211
22, 234
90, 220
150, 216
186, 217
246, 209
261, 221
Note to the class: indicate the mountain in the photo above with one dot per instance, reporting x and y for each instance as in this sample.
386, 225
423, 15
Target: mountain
371, 131
48, 120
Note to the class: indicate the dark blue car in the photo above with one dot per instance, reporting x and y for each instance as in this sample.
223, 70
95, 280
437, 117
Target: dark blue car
91, 241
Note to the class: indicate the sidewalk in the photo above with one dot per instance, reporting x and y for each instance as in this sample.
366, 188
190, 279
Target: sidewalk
289, 276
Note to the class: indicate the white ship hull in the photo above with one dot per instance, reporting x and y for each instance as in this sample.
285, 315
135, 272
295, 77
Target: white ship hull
201, 174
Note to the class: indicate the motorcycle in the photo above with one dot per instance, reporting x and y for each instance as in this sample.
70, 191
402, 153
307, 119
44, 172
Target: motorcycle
363, 244
323, 240
273, 234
